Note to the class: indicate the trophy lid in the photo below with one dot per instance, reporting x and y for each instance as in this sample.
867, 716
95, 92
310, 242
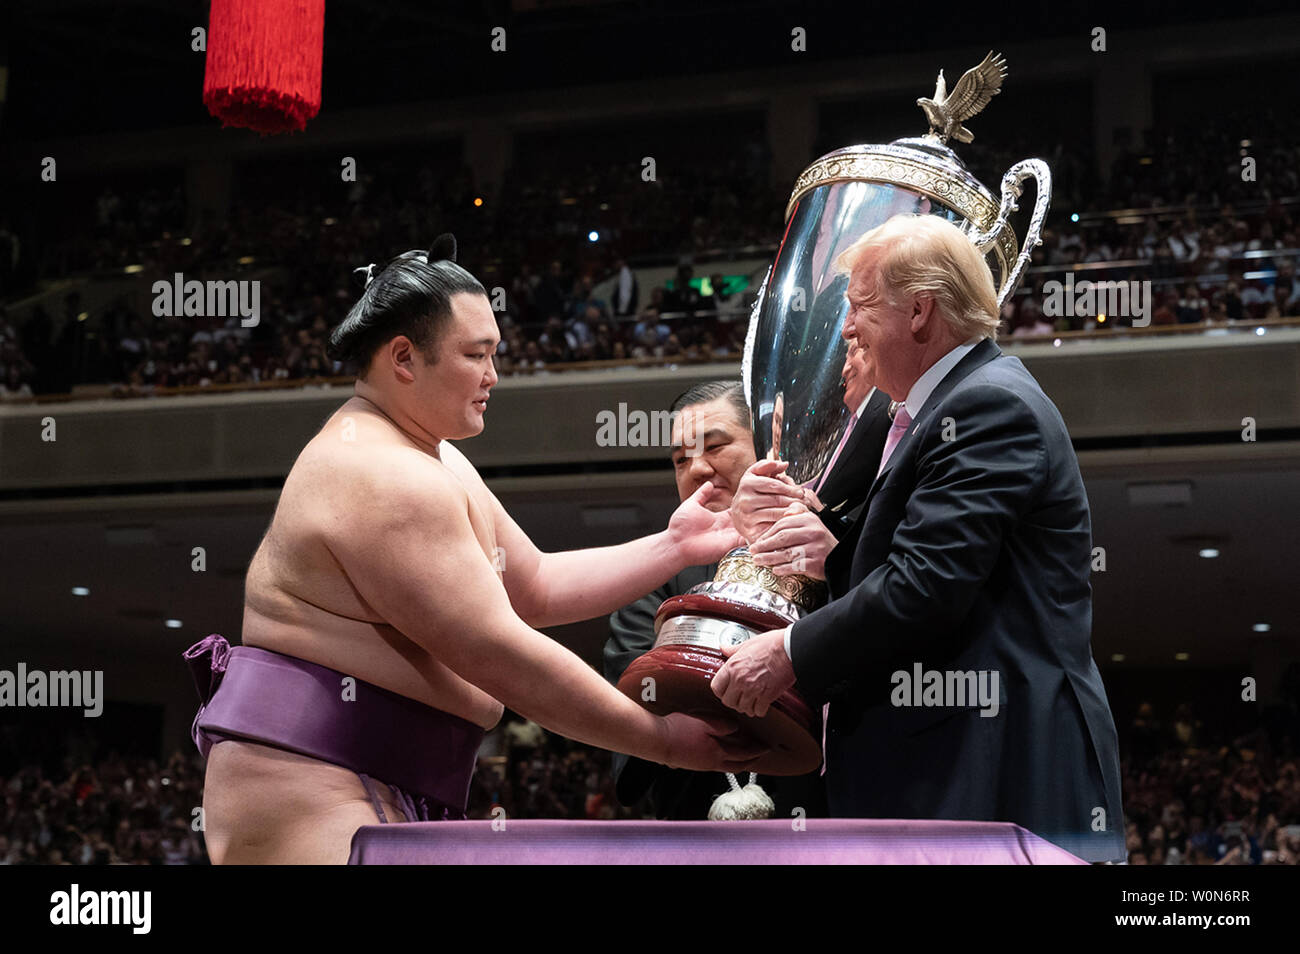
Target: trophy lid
926, 165
794, 355
919, 165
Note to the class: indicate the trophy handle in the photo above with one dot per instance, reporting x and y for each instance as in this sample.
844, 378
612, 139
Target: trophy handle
1012, 186
747, 359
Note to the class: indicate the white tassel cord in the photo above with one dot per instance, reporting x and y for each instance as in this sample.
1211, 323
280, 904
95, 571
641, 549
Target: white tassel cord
742, 804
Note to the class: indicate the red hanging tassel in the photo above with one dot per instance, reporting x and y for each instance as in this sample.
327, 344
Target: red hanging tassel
264, 63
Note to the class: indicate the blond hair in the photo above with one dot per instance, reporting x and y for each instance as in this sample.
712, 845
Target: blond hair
926, 254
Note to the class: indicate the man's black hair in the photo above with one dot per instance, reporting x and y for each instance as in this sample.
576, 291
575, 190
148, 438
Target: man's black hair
708, 391
411, 296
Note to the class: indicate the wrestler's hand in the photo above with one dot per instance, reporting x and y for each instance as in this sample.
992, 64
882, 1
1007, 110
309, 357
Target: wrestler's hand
755, 673
797, 543
699, 535
762, 497
708, 744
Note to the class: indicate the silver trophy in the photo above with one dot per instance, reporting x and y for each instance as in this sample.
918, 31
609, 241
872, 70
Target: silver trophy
794, 354
794, 350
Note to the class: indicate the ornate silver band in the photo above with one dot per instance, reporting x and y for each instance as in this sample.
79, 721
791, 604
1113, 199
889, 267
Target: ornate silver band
753, 595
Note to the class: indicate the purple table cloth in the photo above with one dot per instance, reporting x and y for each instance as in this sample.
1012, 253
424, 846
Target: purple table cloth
773, 842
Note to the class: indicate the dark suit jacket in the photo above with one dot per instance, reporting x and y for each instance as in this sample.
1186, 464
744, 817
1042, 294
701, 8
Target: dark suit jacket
677, 793
970, 554
848, 482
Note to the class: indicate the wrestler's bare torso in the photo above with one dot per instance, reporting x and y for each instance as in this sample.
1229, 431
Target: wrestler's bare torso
265, 805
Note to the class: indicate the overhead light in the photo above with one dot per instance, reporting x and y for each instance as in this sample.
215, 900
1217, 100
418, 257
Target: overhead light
80, 591
1182, 657
593, 236
173, 624
187, 241
133, 269
1208, 553
1116, 657
1261, 627
478, 201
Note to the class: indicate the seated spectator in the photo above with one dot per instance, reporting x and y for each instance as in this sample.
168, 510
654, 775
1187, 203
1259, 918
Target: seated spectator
556, 344
1166, 310
14, 387
1233, 306
1192, 306
1286, 290
649, 331
683, 297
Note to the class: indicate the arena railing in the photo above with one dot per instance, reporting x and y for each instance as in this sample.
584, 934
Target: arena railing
125, 392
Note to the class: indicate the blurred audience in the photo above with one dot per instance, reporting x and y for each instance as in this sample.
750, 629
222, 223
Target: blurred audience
1188, 802
1185, 801
119, 811
1217, 249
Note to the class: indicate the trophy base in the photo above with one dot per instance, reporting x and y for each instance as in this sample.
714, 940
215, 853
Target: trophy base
683, 675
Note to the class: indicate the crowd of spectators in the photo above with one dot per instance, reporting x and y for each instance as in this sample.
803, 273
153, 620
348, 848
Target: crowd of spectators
1202, 162
1218, 248
117, 811
135, 811
1198, 211
532, 773
1236, 268
1191, 797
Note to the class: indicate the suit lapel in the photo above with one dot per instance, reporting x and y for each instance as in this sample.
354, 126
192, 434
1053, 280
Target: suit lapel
854, 468
981, 354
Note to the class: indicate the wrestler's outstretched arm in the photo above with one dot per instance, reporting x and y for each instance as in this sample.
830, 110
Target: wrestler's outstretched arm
549, 589
406, 543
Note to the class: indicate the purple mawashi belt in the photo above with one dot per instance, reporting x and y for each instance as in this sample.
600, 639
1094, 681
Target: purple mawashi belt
303, 707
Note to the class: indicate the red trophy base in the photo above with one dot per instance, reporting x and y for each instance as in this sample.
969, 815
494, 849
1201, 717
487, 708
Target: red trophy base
682, 683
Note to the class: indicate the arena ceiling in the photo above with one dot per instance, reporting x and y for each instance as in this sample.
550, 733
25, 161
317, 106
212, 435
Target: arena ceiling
81, 66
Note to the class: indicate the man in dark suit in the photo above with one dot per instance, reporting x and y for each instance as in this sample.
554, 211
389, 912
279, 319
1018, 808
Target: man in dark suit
967, 565
818, 516
723, 451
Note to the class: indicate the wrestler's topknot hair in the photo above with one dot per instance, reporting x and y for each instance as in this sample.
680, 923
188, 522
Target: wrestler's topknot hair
411, 296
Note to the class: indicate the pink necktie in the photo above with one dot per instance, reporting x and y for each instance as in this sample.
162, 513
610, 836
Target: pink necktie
836, 456
902, 421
